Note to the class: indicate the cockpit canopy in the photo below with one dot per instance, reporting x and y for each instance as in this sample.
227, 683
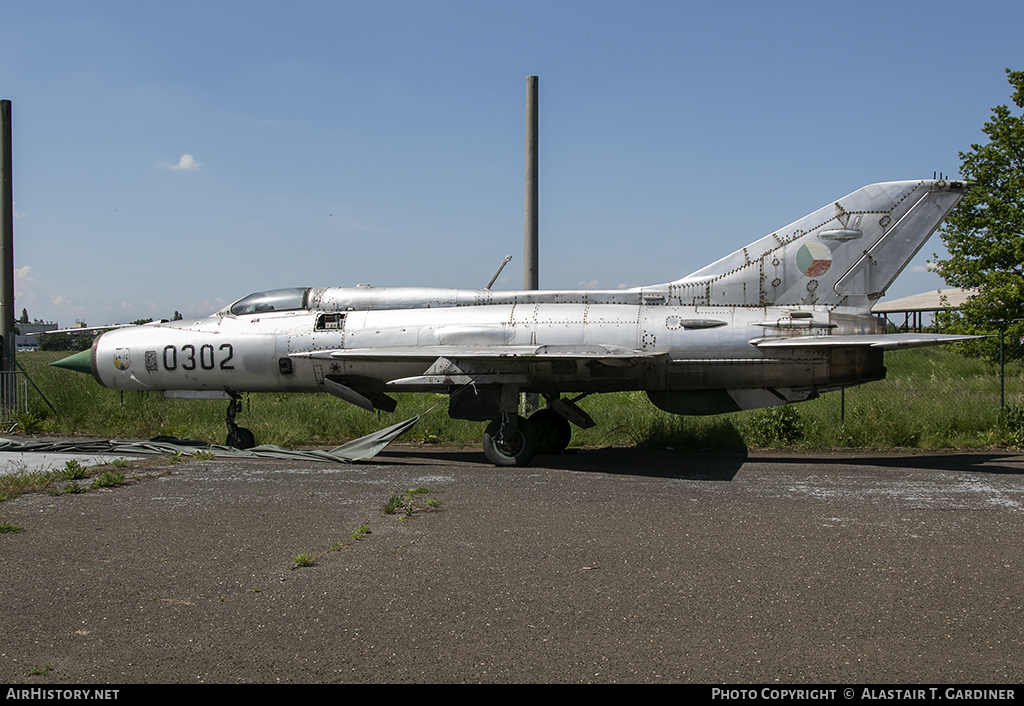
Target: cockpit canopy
287, 299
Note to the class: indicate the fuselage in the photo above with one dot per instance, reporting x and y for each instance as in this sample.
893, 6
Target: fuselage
296, 338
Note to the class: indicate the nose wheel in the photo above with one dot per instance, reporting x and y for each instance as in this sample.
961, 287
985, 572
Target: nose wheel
238, 437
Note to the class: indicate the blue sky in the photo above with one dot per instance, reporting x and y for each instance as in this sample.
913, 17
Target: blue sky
177, 156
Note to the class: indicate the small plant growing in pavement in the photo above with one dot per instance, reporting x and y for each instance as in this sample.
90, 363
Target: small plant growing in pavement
73, 470
303, 559
107, 479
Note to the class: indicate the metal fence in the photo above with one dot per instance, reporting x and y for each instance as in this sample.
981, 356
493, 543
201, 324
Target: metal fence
13, 395
930, 397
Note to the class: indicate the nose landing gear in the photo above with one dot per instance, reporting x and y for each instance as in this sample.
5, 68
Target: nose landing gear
238, 437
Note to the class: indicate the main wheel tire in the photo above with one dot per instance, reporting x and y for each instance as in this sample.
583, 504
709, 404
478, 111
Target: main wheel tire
553, 431
517, 450
240, 438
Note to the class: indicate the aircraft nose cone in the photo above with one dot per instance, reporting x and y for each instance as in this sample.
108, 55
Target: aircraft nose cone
80, 362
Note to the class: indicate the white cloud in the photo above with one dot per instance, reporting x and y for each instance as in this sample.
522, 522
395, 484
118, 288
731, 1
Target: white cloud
22, 276
24, 285
186, 163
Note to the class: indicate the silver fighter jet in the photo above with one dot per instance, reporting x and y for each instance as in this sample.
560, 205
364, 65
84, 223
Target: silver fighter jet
781, 320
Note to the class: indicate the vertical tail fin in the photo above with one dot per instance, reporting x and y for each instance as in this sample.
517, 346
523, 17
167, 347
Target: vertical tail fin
845, 254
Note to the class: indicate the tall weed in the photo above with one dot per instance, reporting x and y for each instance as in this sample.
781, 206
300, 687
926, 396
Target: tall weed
932, 397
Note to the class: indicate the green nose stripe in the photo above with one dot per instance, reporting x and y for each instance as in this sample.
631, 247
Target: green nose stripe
80, 362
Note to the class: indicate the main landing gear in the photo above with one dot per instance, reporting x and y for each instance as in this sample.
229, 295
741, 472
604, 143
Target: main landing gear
553, 431
510, 441
238, 437
514, 440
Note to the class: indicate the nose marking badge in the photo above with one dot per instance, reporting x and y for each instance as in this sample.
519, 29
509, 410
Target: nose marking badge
122, 358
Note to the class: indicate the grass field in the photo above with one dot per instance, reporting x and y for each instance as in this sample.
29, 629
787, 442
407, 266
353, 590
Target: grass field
931, 398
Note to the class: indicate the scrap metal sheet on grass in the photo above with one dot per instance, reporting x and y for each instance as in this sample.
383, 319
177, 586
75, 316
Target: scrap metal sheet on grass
357, 450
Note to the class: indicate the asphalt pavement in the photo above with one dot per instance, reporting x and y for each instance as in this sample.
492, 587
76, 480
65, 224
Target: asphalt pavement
599, 566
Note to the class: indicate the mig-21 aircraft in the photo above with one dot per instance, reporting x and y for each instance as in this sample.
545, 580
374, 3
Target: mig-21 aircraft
779, 321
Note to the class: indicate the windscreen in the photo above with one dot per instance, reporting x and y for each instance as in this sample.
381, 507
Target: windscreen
271, 300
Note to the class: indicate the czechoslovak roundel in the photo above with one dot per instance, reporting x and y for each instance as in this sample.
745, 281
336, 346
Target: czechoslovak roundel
814, 259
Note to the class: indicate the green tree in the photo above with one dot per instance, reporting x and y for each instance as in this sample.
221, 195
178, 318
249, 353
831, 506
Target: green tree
985, 234
64, 342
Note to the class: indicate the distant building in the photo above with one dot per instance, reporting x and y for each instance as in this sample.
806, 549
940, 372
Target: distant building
25, 342
915, 307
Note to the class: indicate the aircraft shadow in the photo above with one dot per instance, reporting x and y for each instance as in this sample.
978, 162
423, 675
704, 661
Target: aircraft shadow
652, 463
995, 462
712, 465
